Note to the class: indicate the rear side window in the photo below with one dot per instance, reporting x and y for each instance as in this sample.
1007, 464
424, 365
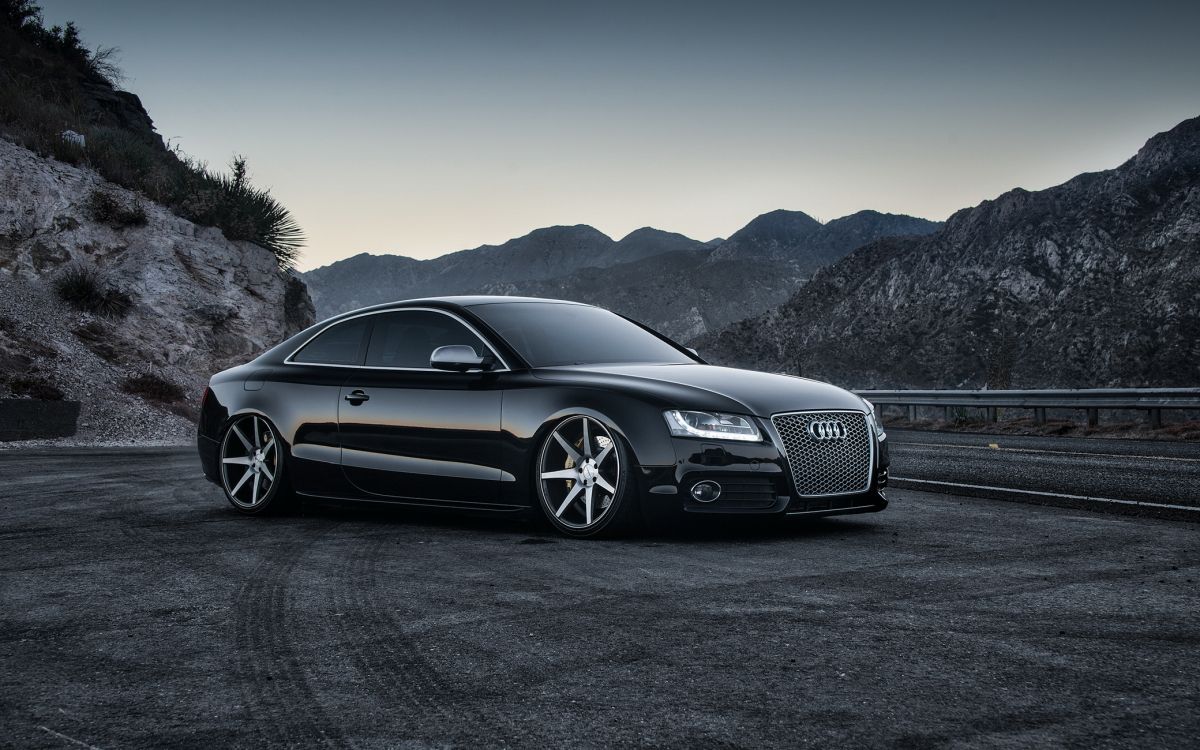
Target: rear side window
340, 344
407, 338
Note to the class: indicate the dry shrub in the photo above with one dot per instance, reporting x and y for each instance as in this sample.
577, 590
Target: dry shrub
34, 386
84, 288
107, 208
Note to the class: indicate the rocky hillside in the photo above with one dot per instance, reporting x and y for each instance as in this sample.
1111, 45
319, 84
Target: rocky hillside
683, 293
676, 284
367, 279
114, 301
1095, 282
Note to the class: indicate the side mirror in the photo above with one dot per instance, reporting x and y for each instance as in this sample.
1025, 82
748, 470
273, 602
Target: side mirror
459, 358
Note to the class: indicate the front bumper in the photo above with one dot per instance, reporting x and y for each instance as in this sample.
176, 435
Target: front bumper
755, 480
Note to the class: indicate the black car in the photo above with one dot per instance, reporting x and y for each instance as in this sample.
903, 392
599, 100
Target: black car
508, 404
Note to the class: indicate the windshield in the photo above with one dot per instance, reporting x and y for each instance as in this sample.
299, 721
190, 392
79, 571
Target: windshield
550, 334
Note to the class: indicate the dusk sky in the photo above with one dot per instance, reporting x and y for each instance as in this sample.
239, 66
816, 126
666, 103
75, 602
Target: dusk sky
422, 128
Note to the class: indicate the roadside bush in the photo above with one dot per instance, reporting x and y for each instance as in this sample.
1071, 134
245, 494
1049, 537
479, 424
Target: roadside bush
105, 207
153, 388
85, 289
163, 392
34, 386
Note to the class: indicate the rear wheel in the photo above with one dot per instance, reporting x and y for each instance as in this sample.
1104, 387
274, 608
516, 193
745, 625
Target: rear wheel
583, 478
253, 470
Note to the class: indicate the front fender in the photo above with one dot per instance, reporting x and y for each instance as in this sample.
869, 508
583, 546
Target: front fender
530, 413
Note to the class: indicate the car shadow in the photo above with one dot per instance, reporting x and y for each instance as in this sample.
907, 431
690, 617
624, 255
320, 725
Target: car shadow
525, 528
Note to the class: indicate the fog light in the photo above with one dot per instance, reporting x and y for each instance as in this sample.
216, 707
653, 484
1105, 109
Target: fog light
706, 491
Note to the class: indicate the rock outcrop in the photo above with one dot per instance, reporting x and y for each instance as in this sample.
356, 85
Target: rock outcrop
187, 302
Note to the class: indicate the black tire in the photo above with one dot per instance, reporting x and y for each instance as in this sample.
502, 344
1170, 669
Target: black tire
613, 512
263, 487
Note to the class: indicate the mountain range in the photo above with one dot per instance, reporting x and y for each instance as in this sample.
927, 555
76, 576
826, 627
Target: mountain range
1095, 282
678, 285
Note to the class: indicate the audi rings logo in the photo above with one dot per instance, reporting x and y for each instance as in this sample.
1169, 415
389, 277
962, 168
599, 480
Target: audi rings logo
827, 429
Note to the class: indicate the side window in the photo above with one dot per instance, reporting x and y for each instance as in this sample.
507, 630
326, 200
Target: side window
407, 338
341, 344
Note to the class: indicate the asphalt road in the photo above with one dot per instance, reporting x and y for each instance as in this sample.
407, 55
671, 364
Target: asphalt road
139, 610
1111, 473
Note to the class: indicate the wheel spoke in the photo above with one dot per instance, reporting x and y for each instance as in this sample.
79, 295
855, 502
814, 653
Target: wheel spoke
241, 481
570, 449
570, 496
270, 474
257, 438
588, 446
254, 491
239, 460
240, 436
604, 454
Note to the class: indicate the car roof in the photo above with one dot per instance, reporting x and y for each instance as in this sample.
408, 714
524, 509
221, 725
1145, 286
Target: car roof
474, 300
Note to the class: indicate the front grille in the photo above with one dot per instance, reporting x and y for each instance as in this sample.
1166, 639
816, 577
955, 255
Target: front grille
826, 467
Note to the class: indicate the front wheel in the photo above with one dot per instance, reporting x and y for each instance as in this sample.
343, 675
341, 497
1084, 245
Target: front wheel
584, 479
253, 470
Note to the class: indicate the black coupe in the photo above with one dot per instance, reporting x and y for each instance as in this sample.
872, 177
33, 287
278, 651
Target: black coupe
512, 404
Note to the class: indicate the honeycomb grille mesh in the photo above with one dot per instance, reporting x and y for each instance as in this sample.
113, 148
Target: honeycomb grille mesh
827, 467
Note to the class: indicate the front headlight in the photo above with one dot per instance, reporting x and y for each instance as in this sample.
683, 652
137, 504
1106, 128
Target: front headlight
712, 425
876, 425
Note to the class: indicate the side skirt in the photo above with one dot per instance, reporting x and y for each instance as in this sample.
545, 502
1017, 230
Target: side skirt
427, 504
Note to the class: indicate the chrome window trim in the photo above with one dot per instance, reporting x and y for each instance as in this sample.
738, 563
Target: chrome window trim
288, 360
779, 443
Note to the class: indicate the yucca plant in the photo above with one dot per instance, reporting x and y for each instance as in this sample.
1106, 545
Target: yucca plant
244, 212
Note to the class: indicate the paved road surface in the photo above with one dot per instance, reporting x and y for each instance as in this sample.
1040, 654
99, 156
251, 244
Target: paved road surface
138, 610
1153, 473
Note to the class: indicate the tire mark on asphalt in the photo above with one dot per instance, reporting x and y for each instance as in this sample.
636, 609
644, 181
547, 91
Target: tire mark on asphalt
935, 592
275, 687
167, 539
388, 661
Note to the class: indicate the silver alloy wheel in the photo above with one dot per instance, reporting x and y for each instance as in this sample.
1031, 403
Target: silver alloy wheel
249, 461
579, 472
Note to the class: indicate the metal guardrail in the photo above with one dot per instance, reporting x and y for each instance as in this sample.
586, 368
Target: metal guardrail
1151, 400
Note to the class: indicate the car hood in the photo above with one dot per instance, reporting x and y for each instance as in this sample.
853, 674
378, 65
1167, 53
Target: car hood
709, 387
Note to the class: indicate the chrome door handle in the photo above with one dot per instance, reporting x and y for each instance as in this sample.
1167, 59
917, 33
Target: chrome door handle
357, 397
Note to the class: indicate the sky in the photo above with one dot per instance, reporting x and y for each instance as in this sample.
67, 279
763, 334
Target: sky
424, 128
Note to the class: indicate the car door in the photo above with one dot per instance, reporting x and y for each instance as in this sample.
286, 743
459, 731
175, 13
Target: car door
302, 396
413, 433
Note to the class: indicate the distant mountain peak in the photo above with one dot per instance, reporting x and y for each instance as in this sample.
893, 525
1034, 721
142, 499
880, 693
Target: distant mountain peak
796, 237
565, 230
779, 221
648, 232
